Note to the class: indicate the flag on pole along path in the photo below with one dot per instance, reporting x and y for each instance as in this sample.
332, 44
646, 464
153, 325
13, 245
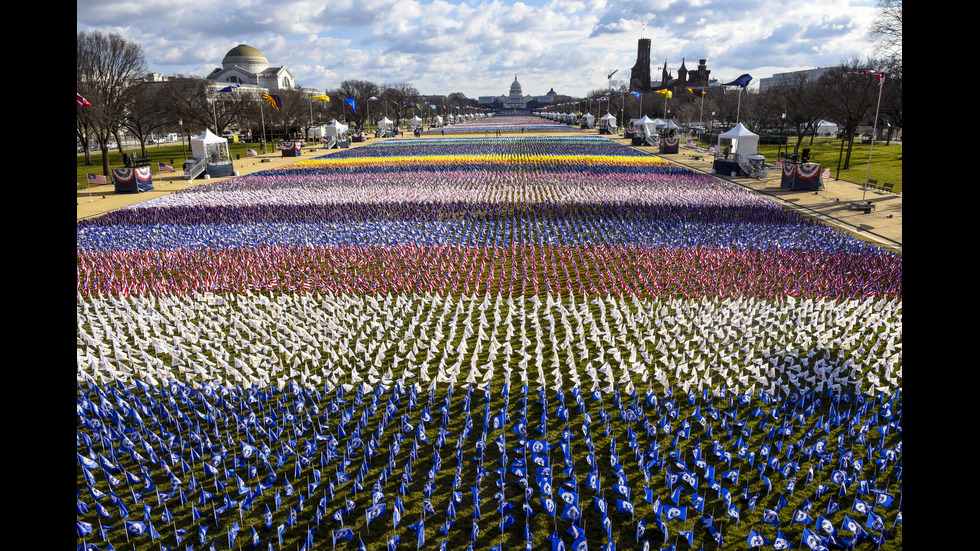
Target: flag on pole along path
164, 167
742, 80
96, 179
879, 74
251, 152
228, 89
350, 101
80, 101
322, 97
272, 100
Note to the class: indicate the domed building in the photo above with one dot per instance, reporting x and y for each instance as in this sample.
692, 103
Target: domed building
245, 65
515, 99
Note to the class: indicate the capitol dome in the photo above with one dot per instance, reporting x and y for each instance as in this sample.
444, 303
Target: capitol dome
245, 57
515, 89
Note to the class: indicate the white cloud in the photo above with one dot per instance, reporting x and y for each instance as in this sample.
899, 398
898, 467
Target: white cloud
476, 46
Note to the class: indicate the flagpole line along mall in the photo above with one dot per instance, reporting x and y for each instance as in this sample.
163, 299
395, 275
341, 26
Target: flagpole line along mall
830, 205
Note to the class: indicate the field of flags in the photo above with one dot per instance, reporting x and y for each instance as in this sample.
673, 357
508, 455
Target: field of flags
480, 343
503, 122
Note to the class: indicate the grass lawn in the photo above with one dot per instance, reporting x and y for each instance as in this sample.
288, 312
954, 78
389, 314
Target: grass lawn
886, 160
173, 154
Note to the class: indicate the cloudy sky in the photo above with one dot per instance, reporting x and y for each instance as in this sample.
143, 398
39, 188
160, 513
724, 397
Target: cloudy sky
477, 46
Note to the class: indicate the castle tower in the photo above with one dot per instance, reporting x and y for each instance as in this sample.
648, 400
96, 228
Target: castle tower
640, 73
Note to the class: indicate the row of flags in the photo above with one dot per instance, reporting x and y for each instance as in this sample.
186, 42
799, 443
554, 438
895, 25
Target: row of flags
121, 421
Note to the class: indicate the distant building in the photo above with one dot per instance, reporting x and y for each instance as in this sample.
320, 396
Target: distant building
777, 78
515, 98
640, 80
247, 66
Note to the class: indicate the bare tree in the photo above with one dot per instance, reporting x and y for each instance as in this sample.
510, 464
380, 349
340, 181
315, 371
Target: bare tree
401, 97
358, 91
109, 69
146, 113
891, 96
886, 29
849, 98
798, 97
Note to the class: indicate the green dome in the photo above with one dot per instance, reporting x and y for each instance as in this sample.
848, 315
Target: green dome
244, 50
245, 57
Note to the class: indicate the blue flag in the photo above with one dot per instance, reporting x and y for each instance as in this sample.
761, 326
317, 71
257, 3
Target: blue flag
350, 101
374, 512
343, 534
781, 542
549, 505
755, 539
232, 534
742, 80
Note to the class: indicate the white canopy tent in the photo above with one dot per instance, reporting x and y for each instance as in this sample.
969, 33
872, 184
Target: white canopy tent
384, 123
415, 121
210, 146
335, 129
646, 125
609, 120
211, 156
743, 143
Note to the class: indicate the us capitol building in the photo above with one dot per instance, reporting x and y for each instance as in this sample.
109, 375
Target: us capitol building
516, 98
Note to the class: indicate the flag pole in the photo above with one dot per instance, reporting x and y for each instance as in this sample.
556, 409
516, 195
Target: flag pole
874, 132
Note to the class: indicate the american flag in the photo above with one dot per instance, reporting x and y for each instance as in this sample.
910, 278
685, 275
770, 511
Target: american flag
251, 152
879, 74
96, 179
81, 101
163, 167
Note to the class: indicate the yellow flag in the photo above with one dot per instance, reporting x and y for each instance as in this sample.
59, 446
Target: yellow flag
665, 92
324, 98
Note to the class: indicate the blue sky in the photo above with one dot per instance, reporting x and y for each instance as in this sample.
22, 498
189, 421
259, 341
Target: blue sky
477, 46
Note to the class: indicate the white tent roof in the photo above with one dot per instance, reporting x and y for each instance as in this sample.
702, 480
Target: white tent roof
416, 120
588, 117
738, 131
335, 129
